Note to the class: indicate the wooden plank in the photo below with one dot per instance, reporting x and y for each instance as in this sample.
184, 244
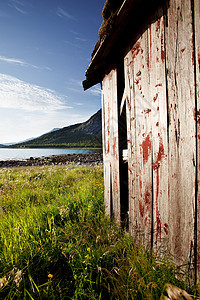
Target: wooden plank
129, 98
196, 27
181, 131
110, 145
143, 137
105, 97
139, 139
159, 132
114, 150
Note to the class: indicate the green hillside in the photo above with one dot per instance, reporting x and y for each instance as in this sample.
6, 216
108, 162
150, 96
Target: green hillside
87, 134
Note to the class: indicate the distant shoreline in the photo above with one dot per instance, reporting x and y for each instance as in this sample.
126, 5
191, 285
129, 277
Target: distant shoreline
89, 159
51, 147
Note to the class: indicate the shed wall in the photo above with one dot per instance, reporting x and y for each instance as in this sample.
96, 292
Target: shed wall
111, 145
162, 75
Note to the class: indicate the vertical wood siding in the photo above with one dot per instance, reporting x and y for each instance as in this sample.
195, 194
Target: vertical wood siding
159, 134
182, 131
162, 91
196, 28
139, 132
111, 145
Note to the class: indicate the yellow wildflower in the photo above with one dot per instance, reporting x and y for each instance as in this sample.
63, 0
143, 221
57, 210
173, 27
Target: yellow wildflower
88, 249
50, 276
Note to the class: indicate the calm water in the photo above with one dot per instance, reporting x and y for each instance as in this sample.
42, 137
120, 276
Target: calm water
6, 154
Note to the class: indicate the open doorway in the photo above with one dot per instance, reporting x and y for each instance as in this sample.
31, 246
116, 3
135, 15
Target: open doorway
122, 131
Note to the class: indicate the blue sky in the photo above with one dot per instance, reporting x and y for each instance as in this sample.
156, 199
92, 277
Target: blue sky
45, 49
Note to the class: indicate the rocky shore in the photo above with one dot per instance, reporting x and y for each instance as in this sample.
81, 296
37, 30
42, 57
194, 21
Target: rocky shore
87, 159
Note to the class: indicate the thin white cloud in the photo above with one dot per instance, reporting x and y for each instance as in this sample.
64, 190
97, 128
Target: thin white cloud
17, 94
73, 32
80, 39
79, 103
21, 62
62, 13
95, 91
18, 5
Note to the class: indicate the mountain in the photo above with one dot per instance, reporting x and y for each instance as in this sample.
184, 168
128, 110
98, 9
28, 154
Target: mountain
86, 134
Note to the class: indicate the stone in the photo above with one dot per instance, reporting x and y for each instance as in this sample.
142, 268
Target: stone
173, 292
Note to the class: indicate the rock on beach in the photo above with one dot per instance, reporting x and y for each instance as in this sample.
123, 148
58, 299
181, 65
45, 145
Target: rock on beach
87, 159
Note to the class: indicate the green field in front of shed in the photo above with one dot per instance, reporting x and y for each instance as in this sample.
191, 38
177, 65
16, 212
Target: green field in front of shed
56, 242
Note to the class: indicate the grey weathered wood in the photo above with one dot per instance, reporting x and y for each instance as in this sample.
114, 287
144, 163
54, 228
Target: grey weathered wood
139, 139
105, 127
159, 132
111, 145
181, 130
196, 21
129, 97
114, 144
140, 53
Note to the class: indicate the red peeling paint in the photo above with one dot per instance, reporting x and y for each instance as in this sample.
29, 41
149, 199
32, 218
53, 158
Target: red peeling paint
147, 111
199, 61
159, 84
182, 50
193, 57
158, 227
135, 50
141, 208
160, 155
138, 73
147, 62
155, 98
108, 148
157, 124
156, 165
147, 198
166, 228
162, 44
146, 149
128, 103
140, 181
197, 116
158, 25
114, 146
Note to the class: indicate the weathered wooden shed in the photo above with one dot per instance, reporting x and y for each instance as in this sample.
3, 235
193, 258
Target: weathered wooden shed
148, 61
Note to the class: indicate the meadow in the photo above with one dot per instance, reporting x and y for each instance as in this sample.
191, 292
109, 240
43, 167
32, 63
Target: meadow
57, 243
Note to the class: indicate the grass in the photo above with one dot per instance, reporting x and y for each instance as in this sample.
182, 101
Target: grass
56, 242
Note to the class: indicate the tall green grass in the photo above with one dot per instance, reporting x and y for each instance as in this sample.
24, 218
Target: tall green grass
56, 242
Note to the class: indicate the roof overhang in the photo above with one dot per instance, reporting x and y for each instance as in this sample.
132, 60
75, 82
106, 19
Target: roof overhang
131, 17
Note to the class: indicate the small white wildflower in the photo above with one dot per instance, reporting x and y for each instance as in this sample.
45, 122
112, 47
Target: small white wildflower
3, 282
18, 277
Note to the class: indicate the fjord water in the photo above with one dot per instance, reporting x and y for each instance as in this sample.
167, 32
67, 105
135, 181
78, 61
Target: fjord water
17, 154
